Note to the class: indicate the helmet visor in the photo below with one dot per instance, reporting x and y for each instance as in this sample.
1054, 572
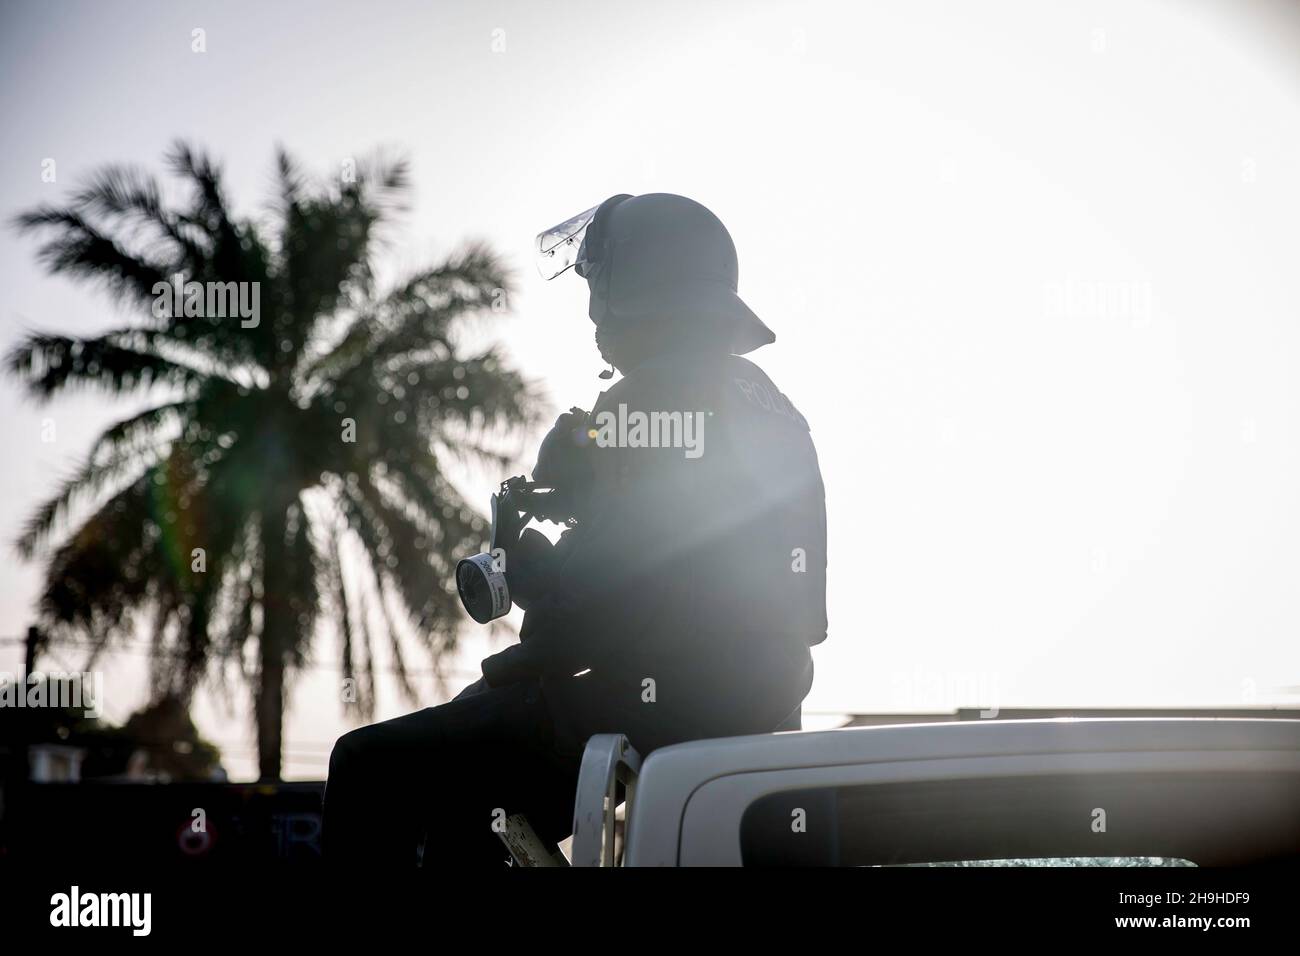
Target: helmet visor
558, 248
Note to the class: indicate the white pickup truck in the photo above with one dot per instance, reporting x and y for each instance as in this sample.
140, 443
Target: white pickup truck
1172, 791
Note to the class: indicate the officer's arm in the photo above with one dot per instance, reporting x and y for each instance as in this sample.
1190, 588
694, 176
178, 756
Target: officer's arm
599, 582
610, 579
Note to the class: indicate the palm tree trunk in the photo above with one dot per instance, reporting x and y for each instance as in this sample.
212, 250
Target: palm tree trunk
277, 625
270, 714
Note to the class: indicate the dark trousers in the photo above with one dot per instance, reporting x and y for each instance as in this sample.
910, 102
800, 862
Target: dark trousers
438, 778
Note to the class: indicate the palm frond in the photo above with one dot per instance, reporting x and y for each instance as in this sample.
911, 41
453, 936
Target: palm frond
418, 315
81, 250
120, 450
47, 364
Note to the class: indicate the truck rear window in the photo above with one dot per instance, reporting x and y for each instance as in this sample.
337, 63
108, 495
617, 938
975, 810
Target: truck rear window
1131, 819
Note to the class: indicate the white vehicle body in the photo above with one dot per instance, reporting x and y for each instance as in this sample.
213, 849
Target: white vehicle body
1205, 790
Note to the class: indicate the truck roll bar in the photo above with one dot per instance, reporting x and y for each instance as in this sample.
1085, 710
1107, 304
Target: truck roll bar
608, 761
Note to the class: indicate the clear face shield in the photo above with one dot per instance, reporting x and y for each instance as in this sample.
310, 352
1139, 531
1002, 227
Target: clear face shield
561, 247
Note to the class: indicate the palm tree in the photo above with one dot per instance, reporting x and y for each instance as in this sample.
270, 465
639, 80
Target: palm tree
290, 468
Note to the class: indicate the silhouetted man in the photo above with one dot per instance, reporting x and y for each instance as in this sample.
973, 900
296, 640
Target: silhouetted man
682, 602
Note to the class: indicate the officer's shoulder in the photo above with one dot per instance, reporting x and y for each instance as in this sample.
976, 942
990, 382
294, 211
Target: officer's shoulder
755, 388
623, 390
652, 381
739, 365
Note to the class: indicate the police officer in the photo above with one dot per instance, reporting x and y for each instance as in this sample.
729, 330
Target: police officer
680, 606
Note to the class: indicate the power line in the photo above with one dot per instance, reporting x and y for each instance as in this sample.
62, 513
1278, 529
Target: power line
310, 665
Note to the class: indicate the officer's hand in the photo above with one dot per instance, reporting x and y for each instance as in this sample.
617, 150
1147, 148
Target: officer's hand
559, 460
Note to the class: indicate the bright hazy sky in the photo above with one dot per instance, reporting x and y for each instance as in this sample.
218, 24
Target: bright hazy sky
1032, 270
